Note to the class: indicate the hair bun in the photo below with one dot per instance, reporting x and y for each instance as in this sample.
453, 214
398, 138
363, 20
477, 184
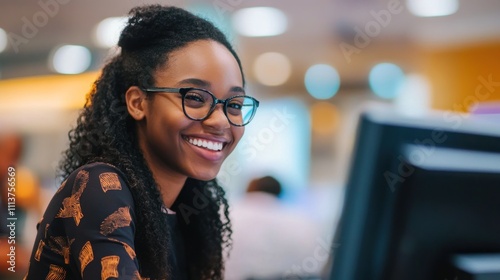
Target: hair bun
153, 23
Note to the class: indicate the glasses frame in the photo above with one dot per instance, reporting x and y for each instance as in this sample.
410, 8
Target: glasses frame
224, 102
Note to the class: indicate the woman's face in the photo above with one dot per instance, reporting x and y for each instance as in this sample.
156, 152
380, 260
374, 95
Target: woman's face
173, 142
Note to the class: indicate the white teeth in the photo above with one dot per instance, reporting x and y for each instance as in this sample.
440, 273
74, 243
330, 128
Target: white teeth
214, 146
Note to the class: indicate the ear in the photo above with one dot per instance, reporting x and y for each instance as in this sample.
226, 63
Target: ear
136, 102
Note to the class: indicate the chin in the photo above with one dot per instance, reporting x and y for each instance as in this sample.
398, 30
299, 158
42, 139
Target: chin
206, 176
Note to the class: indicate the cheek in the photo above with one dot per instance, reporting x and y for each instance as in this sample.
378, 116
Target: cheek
167, 120
237, 134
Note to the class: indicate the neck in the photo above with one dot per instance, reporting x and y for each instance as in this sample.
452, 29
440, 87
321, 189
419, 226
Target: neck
169, 182
170, 185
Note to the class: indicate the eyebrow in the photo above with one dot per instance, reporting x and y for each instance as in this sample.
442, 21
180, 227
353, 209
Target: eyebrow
206, 84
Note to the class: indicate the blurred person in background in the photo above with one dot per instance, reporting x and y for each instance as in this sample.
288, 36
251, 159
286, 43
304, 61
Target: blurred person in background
140, 199
270, 240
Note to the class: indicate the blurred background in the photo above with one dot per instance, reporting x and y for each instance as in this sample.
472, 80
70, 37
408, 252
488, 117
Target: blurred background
313, 65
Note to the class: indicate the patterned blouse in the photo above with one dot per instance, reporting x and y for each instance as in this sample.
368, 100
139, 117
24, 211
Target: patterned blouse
87, 231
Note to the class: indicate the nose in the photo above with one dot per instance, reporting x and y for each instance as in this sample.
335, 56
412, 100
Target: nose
217, 119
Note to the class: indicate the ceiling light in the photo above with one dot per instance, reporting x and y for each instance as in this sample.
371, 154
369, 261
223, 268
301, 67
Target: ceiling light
108, 31
272, 69
3, 40
432, 8
259, 22
71, 59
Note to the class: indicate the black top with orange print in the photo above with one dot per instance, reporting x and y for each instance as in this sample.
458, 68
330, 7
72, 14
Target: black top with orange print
87, 231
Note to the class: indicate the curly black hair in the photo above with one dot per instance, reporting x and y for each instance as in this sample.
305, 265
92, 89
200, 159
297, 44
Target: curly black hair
105, 132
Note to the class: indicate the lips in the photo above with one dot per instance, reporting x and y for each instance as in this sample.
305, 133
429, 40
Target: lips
211, 145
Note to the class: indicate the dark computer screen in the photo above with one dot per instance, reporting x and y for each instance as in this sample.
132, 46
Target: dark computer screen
419, 192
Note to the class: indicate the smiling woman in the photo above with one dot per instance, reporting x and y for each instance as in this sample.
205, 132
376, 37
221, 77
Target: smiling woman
146, 149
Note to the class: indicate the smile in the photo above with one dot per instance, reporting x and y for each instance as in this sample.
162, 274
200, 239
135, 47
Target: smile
203, 143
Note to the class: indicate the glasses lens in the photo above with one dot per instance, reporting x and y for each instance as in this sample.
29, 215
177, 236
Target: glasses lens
240, 110
197, 103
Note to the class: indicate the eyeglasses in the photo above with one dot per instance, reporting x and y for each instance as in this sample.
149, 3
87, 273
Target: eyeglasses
198, 104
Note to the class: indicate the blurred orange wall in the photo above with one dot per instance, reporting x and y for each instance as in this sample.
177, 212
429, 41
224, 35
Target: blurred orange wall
464, 75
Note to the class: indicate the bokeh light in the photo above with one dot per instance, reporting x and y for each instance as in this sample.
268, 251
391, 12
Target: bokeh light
259, 22
432, 8
210, 12
108, 31
272, 68
3, 40
322, 81
27, 189
386, 79
414, 98
71, 59
325, 118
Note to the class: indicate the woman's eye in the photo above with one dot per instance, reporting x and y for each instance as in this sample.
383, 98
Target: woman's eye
235, 105
194, 97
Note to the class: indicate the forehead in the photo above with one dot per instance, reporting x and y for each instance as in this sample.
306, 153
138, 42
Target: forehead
205, 60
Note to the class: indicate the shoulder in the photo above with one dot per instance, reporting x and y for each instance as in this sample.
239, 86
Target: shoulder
93, 193
97, 182
107, 175
97, 168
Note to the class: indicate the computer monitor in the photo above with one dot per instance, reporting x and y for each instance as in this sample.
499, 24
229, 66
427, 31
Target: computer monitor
420, 191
